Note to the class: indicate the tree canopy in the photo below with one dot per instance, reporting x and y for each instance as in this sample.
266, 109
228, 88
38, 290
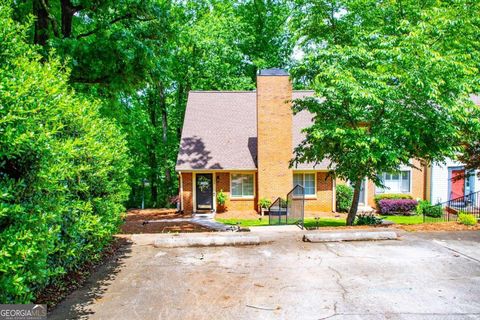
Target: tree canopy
393, 83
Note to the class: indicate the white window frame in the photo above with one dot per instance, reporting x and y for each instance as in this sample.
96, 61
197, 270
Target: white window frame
400, 173
309, 196
242, 196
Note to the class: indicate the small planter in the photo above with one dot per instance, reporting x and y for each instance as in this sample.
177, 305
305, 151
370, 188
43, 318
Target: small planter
221, 208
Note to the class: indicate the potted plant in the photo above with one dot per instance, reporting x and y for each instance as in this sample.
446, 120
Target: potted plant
264, 204
221, 198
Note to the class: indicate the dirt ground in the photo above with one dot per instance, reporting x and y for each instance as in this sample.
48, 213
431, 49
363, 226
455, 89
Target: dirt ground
438, 226
431, 276
154, 214
148, 221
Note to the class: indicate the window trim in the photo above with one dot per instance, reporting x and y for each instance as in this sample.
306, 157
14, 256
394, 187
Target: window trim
232, 197
387, 191
307, 196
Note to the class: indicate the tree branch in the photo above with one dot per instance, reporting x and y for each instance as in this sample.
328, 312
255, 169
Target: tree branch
51, 18
89, 33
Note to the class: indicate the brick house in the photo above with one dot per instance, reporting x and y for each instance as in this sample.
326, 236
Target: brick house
241, 142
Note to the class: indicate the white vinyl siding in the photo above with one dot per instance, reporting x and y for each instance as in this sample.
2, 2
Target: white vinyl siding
242, 185
307, 181
397, 182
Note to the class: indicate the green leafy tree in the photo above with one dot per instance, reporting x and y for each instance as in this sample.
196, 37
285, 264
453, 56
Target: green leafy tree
141, 58
63, 170
392, 80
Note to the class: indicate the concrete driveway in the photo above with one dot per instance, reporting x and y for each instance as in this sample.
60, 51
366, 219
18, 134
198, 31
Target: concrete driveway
422, 276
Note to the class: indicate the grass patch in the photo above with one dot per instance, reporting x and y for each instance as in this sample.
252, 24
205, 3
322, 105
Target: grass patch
404, 219
309, 222
322, 222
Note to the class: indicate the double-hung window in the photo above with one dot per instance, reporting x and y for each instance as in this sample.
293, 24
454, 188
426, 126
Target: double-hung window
398, 182
241, 185
307, 181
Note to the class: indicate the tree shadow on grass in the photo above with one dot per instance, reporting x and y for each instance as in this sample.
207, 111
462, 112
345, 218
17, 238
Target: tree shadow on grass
77, 304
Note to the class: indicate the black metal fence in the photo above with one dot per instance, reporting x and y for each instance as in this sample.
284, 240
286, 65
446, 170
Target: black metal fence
290, 210
449, 210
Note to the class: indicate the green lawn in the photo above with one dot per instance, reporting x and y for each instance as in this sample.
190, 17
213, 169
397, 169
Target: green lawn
404, 219
322, 222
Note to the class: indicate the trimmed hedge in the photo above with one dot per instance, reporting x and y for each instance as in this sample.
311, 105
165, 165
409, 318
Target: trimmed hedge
397, 206
344, 197
391, 196
63, 171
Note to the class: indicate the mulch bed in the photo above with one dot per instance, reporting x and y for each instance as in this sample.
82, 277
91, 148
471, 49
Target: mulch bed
133, 227
137, 221
438, 226
154, 214
56, 292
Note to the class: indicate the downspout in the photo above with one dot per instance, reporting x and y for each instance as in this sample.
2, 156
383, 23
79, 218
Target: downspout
334, 196
181, 191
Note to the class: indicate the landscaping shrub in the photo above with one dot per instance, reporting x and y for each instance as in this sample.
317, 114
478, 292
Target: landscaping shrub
397, 206
422, 204
344, 196
368, 219
433, 211
63, 171
467, 219
391, 196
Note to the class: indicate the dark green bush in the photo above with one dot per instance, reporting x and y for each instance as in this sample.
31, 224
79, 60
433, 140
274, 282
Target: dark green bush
344, 197
368, 219
433, 211
379, 197
63, 171
422, 204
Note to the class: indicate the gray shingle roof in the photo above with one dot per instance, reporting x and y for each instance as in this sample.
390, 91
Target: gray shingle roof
220, 131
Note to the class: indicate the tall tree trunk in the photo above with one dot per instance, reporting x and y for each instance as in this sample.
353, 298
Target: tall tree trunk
67, 16
356, 197
163, 110
153, 161
41, 22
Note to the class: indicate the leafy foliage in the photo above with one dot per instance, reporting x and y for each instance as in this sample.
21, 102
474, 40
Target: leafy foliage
393, 81
264, 203
422, 204
344, 196
397, 206
382, 196
467, 219
221, 198
433, 211
63, 170
368, 219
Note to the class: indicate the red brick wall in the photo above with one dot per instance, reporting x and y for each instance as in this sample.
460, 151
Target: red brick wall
324, 198
187, 196
223, 183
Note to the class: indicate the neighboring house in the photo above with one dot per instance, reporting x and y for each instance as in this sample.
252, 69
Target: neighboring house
241, 142
409, 180
450, 181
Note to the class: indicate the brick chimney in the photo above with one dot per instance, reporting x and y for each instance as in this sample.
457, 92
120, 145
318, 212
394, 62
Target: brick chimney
274, 131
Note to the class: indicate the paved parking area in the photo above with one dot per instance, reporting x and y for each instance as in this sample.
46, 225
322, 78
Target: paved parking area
422, 276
